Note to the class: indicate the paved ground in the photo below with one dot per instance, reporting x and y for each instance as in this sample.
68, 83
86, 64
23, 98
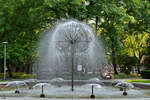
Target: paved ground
28, 98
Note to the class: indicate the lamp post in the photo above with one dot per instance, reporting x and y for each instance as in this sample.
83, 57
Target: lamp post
5, 67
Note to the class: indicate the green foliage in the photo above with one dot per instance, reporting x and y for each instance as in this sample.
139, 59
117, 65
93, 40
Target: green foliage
145, 74
135, 45
139, 80
124, 20
21, 23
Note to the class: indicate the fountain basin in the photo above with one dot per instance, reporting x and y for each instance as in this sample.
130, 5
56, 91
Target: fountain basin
62, 89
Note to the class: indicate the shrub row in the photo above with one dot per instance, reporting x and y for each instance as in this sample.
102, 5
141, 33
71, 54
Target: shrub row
122, 75
145, 74
18, 76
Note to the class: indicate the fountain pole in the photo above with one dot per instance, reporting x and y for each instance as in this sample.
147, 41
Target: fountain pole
92, 96
92, 89
42, 95
42, 89
72, 81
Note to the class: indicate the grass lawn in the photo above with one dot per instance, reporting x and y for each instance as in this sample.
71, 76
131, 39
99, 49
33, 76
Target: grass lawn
139, 80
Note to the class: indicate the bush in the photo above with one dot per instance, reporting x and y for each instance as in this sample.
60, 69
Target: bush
139, 80
145, 74
2, 75
136, 75
122, 76
18, 75
23, 75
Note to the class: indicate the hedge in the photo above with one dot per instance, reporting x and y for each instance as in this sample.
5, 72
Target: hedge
18, 75
145, 74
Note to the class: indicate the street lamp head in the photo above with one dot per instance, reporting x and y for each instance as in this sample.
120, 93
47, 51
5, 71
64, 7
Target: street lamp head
5, 42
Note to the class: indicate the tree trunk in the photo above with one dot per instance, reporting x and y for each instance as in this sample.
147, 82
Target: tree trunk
31, 65
87, 19
96, 25
23, 69
17, 69
138, 67
9, 71
114, 61
28, 69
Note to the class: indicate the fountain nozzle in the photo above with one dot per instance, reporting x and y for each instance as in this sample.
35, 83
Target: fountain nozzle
92, 96
17, 92
42, 96
125, 93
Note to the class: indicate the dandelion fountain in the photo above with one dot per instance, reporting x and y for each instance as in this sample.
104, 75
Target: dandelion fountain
71, 44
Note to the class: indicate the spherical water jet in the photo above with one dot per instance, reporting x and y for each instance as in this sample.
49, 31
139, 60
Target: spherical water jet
70, 44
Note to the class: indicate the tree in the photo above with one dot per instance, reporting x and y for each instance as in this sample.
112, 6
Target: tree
21, 23
113, 27
136, 46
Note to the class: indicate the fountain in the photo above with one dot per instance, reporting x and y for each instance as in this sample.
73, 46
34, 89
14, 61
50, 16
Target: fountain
42, 86
16, 84
70, 49
124, 86
68, 53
